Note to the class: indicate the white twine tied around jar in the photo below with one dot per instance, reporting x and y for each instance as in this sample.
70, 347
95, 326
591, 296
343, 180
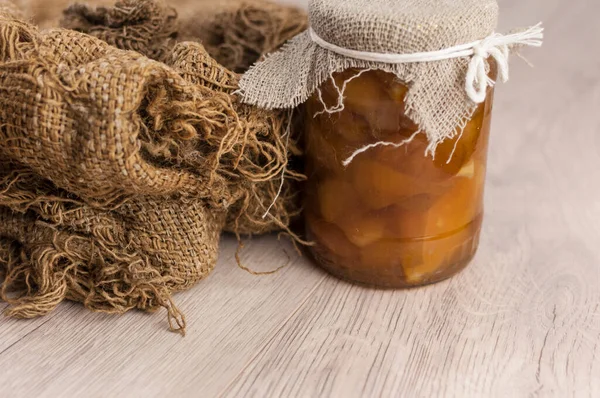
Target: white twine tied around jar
496, 46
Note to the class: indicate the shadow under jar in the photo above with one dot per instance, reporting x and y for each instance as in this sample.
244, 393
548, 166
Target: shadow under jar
393, 217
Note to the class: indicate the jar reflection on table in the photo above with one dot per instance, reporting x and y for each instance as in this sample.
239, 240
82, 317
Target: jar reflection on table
393, 217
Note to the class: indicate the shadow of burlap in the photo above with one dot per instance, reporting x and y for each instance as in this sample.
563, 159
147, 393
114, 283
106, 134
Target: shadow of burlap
119, 172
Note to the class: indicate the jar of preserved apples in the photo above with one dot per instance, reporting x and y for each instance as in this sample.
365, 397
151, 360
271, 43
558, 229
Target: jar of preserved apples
393, 217
398, 109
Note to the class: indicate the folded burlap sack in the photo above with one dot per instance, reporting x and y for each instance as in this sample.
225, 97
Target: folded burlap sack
240, 32
235, 32
54, 247
119, 172
148, 27
46, 13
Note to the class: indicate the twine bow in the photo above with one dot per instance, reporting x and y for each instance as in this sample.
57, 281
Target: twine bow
496, 46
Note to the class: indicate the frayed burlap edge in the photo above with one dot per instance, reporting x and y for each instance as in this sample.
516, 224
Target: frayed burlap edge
289, 77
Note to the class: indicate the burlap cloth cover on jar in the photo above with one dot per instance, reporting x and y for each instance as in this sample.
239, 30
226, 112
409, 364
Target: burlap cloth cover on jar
377, 31
118, 173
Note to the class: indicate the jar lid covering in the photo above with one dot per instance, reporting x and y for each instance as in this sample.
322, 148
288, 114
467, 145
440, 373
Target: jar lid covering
436, 99
402, 26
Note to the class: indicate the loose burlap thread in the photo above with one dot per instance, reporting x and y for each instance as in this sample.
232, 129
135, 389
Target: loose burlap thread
120, 172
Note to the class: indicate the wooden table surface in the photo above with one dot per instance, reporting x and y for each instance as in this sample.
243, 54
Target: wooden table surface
523, 320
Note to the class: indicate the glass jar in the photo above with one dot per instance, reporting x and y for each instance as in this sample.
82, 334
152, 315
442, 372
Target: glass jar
393, 217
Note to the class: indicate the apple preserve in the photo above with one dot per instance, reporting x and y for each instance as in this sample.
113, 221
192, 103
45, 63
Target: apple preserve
394, 216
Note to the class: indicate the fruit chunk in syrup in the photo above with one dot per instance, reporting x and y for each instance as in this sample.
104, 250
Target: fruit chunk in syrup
394, 217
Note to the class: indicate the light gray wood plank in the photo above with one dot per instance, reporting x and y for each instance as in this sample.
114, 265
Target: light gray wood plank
526, 326
12, 331
231, 316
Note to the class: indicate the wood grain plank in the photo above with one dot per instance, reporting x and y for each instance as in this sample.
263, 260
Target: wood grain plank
231, 316
524, 319
13, 331
527, 326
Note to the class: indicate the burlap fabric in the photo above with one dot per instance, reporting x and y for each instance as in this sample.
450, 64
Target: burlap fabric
238, 32
55, 247
436, 99
118, 172
269, 158
147, 27
268, 152
46, 13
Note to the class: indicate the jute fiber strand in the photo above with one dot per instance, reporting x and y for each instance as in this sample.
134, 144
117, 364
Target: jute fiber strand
436, 100
118, 172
